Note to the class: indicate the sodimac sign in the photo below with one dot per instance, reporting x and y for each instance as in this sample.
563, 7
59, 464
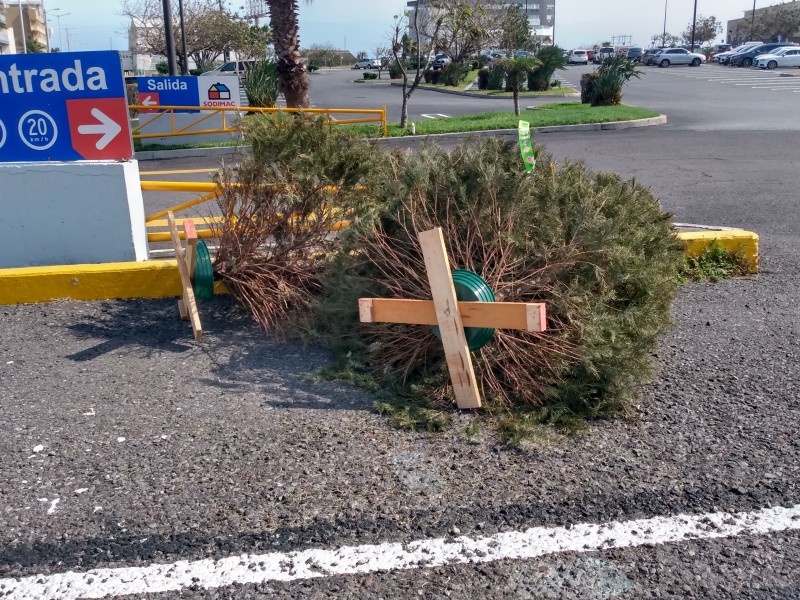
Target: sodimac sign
206, 91
63, 107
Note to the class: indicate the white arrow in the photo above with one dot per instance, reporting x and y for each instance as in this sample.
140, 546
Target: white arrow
108, 127
148, 101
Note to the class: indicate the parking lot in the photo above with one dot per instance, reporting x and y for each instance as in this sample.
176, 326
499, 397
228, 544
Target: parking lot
127, 446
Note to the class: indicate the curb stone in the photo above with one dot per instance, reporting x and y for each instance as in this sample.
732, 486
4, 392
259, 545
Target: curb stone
473, 95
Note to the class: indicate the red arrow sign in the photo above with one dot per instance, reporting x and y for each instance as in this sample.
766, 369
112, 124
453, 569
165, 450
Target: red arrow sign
149, 99
100, 129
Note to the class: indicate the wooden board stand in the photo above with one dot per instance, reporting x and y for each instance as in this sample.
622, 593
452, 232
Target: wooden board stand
187, 305
452, 316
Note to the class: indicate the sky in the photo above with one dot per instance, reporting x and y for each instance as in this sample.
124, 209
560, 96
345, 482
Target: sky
365, 24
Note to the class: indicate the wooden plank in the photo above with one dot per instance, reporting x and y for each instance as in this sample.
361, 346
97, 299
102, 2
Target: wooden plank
456, 351
191, 245
188, 293
499, 315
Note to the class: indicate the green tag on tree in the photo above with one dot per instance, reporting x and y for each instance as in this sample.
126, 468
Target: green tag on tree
526, 146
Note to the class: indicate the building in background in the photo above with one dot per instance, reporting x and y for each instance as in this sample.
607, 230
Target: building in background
541, 14
739, 30
24, 24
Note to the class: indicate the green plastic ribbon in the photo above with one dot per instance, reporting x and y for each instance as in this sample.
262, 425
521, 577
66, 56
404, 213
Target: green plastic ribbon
526, 146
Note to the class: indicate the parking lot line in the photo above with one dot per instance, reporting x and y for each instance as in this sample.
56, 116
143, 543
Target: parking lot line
427, 553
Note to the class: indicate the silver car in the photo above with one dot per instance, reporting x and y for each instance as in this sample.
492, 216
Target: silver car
678, 56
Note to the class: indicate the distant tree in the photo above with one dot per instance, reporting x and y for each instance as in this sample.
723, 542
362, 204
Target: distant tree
362, 55
517, 70
514, 29
384, 54
706, 30
321, 55
666, 40
34, 46
425, 26
773, 23
466, 28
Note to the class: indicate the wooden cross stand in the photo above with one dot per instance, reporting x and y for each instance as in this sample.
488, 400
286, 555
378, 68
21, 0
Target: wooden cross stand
187, 305
452, 316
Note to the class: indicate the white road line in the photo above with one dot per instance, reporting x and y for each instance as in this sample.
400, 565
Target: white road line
354, 560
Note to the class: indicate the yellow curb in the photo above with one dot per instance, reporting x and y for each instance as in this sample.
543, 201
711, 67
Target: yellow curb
160, 279
149, 279
733, 240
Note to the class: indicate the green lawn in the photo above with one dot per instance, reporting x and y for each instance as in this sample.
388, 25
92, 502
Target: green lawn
560, 113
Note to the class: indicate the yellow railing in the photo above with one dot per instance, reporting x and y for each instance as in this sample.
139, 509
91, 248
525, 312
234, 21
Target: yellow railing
229, 117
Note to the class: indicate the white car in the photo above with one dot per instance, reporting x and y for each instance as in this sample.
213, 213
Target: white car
368, 63
578, 57
788, 56
678, 56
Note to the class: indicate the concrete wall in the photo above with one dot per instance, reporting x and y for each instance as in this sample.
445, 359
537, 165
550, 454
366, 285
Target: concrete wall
71, 213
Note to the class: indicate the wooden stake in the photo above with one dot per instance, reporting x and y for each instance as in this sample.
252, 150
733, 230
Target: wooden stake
448, 316
187, 305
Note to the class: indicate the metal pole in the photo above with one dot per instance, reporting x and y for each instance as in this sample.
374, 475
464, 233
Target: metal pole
22, 28
664, 35
694, 23
173, 67
46, 28
185, 66
753, 22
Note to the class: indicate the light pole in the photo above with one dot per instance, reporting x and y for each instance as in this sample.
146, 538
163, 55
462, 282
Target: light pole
664, 35
694, 23
185, 65
69, 44
58, 19
22, 28
753, 22
173, 67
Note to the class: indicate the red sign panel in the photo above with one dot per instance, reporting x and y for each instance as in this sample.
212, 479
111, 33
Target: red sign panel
100, 128
149, 99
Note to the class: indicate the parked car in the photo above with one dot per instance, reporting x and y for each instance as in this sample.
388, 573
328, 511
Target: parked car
522, 54
440, 62
578, 57
717, 48
649, 55
634, 54
788, 56
679, 56
591, 54
232, 67
368, 63
746, 58
723, 57
603, 53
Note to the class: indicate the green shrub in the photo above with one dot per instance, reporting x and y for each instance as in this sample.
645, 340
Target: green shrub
483, 79
196, 72
395, 72
598, 250
313, 68
370, 75
588, 81
496, 77
551, 58
261, 84
453, 73
132, 94
162, 67
432, 77
613, 74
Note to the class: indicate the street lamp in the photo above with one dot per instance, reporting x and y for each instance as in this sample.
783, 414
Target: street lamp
753, 22
185, 66
694, 23
58, 19
664, 35
173, 67
22, 28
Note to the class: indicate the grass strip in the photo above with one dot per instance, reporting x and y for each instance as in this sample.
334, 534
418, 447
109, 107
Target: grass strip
546, 115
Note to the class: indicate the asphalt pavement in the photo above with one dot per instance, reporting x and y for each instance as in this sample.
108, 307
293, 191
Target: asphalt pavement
126, 444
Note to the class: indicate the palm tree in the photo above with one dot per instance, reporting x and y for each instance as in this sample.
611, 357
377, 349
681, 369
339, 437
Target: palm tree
292, 71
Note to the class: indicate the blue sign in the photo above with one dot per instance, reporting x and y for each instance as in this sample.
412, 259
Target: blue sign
168, 91
63, 106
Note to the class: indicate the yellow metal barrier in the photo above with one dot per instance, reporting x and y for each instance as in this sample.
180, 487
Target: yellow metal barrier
230, 125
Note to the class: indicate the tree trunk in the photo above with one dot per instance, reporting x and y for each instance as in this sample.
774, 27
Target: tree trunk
404, 108
292, 72
516, 100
